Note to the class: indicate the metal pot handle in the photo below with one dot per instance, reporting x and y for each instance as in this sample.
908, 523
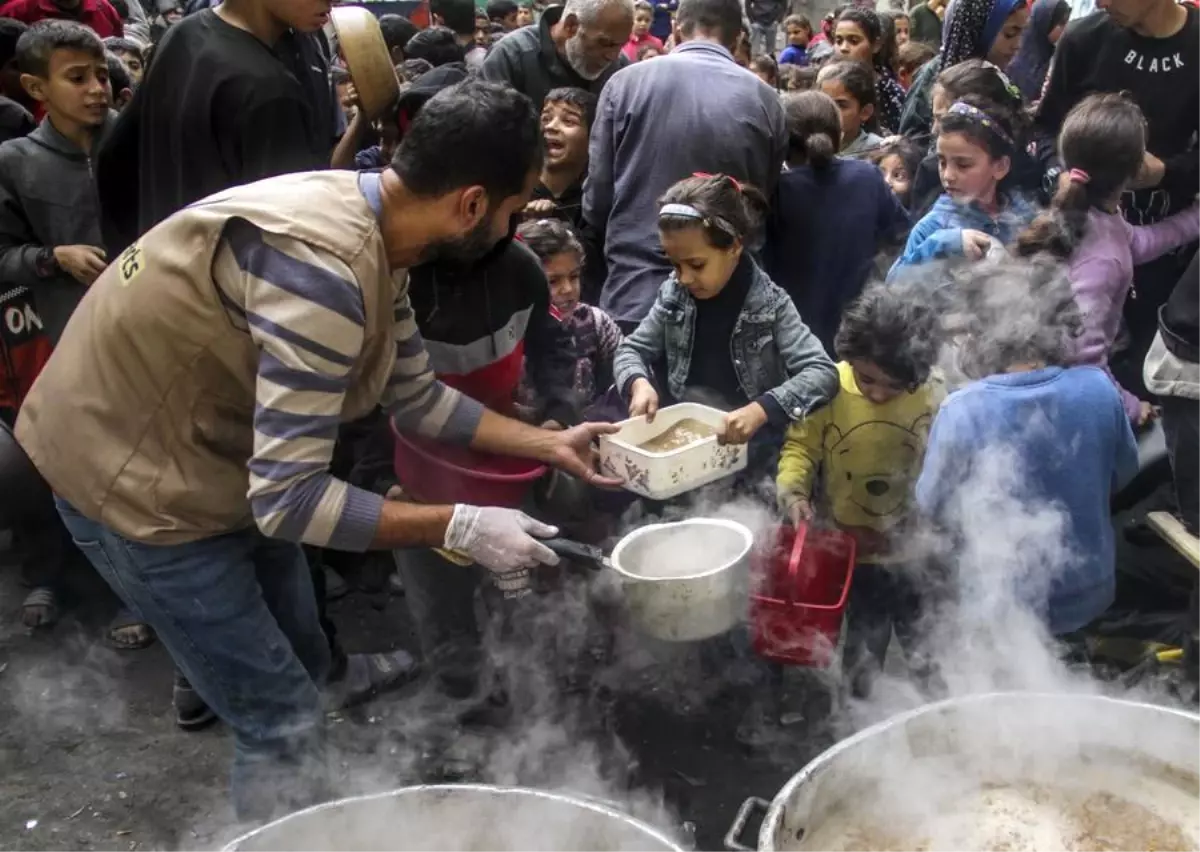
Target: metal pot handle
732, 837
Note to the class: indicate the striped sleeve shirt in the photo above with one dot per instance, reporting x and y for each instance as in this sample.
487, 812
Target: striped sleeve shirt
304, 310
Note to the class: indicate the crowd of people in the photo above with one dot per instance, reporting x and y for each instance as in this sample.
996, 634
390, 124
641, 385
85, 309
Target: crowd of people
232, 296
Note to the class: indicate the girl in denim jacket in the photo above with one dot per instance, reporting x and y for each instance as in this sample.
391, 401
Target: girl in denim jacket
726, 332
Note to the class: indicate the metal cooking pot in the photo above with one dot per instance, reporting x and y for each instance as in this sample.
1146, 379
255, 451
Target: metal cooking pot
457, 817
1122, 751
689, 607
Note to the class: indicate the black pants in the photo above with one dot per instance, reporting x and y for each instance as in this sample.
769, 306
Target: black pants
882, 598
1179, 419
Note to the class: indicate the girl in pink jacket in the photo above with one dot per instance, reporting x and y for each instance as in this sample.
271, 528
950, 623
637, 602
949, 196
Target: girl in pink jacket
1103, 146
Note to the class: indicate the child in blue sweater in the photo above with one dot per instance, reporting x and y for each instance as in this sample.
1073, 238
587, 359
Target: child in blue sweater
1021, 463
974, 214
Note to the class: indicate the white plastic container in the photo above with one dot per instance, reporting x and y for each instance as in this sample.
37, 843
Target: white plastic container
661, 476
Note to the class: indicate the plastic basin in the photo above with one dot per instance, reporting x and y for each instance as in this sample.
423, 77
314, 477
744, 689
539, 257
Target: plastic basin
437, 473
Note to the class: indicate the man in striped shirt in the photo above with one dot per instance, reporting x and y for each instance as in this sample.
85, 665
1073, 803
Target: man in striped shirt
187, 420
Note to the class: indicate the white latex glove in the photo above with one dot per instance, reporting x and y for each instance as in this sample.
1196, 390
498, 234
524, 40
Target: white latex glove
501, 540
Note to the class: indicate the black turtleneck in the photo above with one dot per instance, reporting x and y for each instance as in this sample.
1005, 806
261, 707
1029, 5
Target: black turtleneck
711, 370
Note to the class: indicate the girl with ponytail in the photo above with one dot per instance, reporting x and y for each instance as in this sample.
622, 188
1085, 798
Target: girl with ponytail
1102, 145
830, 217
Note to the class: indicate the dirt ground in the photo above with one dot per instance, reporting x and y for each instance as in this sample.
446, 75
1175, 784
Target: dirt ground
91, 758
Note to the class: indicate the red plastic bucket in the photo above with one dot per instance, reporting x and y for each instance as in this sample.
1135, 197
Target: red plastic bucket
803, 584
436, 473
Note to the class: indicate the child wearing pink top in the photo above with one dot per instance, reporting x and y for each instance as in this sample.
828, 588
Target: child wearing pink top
643, 15
1102, 145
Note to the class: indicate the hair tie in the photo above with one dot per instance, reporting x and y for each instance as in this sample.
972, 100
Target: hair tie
736, 184
1078, 176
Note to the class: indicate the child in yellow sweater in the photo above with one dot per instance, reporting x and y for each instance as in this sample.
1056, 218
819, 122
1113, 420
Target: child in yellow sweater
867, 445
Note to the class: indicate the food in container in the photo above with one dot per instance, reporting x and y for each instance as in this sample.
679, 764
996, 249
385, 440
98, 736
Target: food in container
664, 473
678, 435
1002, 771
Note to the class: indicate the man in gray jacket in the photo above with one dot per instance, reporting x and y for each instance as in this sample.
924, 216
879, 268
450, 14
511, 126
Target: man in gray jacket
658, 122
576, 45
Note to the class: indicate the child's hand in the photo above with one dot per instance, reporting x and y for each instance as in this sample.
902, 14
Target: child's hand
800, 512
643, 399
83, 263
741, 425
538, 208
975, 244
1147, 414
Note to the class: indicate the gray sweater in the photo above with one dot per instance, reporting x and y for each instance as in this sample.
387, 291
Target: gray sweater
693, 110
47, 199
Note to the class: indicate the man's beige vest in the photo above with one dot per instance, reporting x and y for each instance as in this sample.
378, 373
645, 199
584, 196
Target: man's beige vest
142, 419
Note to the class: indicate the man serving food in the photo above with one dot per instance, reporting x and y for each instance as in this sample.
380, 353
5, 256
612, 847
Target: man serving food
187, 419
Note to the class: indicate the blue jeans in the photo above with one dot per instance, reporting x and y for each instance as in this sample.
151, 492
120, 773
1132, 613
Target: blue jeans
238, 614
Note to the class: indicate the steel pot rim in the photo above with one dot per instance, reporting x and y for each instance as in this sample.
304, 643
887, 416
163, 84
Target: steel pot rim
787, 792
629, 538
575, 799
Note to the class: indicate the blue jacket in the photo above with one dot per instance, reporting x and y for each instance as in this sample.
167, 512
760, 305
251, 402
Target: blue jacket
1021, 467
773, 351
939, 233
793, 55
825, 229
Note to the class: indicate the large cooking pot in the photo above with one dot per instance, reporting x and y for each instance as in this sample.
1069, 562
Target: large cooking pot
998, 771
679, 592
457, 817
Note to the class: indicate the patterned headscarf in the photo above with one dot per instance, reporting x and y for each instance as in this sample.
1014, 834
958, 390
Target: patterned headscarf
972, 27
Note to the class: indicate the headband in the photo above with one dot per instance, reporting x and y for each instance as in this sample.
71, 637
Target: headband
981, 119
687, 211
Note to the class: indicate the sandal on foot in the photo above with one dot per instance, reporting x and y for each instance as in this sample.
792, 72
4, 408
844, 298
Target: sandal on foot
40, 608
369, 675
127, 622
191, 713
335, 585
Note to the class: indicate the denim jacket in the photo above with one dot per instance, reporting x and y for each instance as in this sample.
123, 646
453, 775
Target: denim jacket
939, 233
772, 349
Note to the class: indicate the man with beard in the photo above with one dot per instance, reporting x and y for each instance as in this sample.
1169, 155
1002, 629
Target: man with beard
578, 45
209, 368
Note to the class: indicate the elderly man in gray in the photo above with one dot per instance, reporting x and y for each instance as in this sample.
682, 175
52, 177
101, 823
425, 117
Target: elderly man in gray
693, 110
578, 45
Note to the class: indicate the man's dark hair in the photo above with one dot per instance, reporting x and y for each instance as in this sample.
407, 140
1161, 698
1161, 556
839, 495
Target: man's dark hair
397, 30
37, 43
721, 19
582, 99
118, 74
436, 45
10, 31
458, 15
473, 133
498, 10
125, 45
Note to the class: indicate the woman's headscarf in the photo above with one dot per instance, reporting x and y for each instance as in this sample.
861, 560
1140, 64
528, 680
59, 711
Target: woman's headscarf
971, 28
1028, 68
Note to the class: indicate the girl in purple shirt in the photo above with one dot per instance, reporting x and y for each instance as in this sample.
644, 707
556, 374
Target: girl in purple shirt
1102, 145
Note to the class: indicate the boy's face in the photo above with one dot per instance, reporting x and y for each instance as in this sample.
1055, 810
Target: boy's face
483, 31
798, 36
133, 63
565, 130
524, 16
509, 22
873, 383
76, 87
641, 22
562, 271
306, 16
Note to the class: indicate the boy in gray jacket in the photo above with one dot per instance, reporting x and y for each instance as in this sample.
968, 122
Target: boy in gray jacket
49, 222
